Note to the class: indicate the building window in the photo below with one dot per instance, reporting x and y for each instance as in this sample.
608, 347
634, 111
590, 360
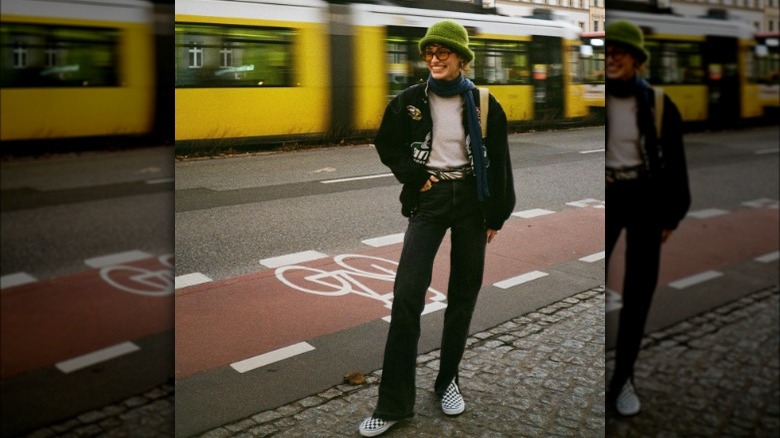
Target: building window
51, 57
195, 56
20, 57
227, 56
595, 26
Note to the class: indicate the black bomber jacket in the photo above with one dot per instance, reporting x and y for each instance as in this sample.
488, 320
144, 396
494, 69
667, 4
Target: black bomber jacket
403, 143
664, 158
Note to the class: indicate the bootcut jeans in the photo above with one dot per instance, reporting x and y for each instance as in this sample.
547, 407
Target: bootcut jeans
447, 205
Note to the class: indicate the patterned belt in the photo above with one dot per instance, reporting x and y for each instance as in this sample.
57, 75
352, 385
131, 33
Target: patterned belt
452, 174
629, 174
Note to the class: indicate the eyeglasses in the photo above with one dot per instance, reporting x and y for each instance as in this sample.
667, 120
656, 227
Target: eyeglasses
616, 52
441, 54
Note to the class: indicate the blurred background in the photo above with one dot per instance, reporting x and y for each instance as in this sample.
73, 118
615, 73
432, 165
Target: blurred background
86, 123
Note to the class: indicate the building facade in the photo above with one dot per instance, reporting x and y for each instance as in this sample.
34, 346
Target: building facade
589, 15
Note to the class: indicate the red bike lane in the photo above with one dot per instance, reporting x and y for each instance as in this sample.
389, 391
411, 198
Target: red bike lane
59, 321
223, 322
705, 245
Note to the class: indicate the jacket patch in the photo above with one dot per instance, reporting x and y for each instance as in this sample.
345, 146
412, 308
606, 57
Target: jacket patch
414, 112
421, 150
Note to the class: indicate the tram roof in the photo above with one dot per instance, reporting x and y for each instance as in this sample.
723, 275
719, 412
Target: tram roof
95, 10
377, 15
302, 11
678, 25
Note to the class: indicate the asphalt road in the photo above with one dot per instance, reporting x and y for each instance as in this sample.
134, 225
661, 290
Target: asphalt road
87, 284
233, 212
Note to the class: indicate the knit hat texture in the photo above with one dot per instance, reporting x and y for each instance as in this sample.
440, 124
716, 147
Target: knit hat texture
450, 34
629, 35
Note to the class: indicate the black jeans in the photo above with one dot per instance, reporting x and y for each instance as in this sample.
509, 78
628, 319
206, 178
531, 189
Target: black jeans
633, 206
453, 205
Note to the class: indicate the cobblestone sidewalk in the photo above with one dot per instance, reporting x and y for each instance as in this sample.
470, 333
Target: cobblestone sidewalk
716, 374
147, 415
541, 374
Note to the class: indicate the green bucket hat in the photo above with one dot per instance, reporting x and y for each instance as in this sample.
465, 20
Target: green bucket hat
629, 35
450, 34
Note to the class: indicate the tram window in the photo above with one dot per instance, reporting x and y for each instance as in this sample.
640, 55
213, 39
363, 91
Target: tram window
766, 65
591, 64
37, 55
674, 62
500, 62
233, 56
405, 67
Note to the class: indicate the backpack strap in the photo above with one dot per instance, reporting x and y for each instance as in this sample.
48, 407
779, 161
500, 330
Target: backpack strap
659, 110
484, 104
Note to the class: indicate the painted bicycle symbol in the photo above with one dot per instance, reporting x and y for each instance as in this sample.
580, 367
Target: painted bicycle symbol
349, 279
135, 280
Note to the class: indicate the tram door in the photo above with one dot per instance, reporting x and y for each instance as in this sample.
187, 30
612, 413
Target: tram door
547, 73
722, 79
342, 83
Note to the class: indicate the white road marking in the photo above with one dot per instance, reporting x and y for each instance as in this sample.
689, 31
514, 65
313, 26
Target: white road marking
272, 356
89, 359
707, 213
291, 259
188, 280
391, 239
520, 279
534, 212
593, 151
695, 279
325, 169
767, 151
589, 202
760, 203
356, 178
429, 308
594, 257
16, 279
766, 258
160, 180
117, 259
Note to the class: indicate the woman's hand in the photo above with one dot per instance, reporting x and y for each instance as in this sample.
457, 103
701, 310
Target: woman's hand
491, 234
429, 183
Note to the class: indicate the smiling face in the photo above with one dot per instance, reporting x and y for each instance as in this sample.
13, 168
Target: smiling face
621, 62
445, 69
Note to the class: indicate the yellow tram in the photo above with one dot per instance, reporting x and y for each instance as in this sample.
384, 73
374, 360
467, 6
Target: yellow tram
74, 68
271, 70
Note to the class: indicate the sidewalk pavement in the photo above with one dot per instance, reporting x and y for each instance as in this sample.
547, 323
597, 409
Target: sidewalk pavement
716, 374
541, 374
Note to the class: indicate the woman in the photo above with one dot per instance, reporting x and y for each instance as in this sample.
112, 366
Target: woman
431, 139
647, 192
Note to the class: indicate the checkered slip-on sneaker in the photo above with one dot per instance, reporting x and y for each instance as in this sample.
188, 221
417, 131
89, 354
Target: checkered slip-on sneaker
452, 402
627, 403
373, 426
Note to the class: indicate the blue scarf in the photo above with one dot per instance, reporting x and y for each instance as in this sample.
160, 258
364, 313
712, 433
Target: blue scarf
462, 85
